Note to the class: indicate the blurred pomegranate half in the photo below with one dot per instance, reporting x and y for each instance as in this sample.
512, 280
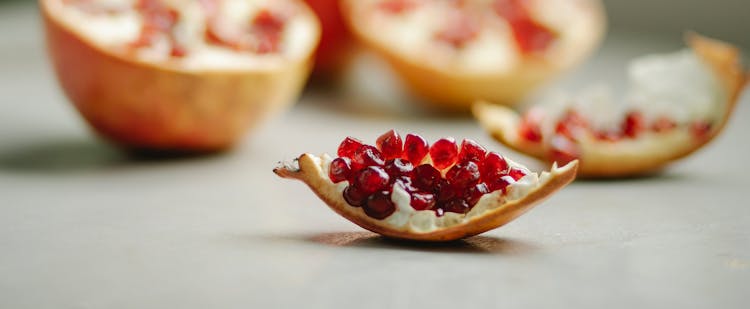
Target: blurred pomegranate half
179, 75
455, 52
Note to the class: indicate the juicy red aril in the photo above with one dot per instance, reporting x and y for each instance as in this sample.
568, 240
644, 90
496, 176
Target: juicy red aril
371, 179
268, 28
570, 124
494, 166
446, 191
529, 130
340, 169
471, 151
516, 174
422, 201
633, 124
390, 145
348, 147
474, 193
700, 129
398, 167
365, 156
499, 183
444, 153
463, 174
379, 205
426, 177
405, 183
457, 205
563, 150
663, 124
354, 196
415, 148
530, 35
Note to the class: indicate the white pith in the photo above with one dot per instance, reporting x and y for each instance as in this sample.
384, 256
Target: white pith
412, 33
679, 86
407, 219
115, 31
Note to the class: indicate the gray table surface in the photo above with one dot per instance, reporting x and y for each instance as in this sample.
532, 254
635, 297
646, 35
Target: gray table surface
84, 226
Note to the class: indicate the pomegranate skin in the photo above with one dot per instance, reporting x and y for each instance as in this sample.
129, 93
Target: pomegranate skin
147, 106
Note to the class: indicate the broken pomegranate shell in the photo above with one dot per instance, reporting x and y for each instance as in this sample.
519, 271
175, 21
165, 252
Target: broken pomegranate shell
677, 104
475, 193
452, 53
179, 75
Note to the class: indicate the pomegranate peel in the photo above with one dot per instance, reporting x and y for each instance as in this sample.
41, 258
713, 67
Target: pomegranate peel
173, 102
487, 53
638, 149
417, 217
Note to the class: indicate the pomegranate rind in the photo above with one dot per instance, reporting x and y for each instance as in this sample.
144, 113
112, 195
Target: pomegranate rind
450, 89
490, 213
153, 106
646, 154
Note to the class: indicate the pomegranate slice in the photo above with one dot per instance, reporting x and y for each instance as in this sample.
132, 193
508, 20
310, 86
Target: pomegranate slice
179, 75
677, 104
471, 195
455, 52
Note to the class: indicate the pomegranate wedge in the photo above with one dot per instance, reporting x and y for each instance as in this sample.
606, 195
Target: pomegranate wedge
677, 104
455, 52
182, 75
407, 189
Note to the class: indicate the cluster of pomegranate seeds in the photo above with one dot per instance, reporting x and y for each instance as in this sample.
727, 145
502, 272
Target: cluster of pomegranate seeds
562, 144
158, 20
454, 182
530, 35
262, 35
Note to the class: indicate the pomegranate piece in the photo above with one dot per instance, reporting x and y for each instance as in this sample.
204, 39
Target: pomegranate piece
340, 169
371, 179
444, 153
471, 151
348, 147
415, 148
390, 145
379, 205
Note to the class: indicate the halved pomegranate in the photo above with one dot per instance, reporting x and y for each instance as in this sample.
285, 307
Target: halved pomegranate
677, 104
455, 52
179, 75
406, 188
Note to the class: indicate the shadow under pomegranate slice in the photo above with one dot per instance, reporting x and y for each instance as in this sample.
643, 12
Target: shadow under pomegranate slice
475, 191
703, 82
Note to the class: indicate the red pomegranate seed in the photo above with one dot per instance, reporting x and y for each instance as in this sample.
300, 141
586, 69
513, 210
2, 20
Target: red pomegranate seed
379, 205
415, 148
700, 129
529, 129
570, 124
354, 196
398, 167
607, 136
463, 174
516, 174
447, 191
365, 156
471, 151
390, 145
499, 183
663, 124
457, 205
563, 150
475, 192
340, 169
348, 147
371, 179
268, 28
426, 177
444, 153
405, 183
494, 166
530, 35
422, 200
633, 124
